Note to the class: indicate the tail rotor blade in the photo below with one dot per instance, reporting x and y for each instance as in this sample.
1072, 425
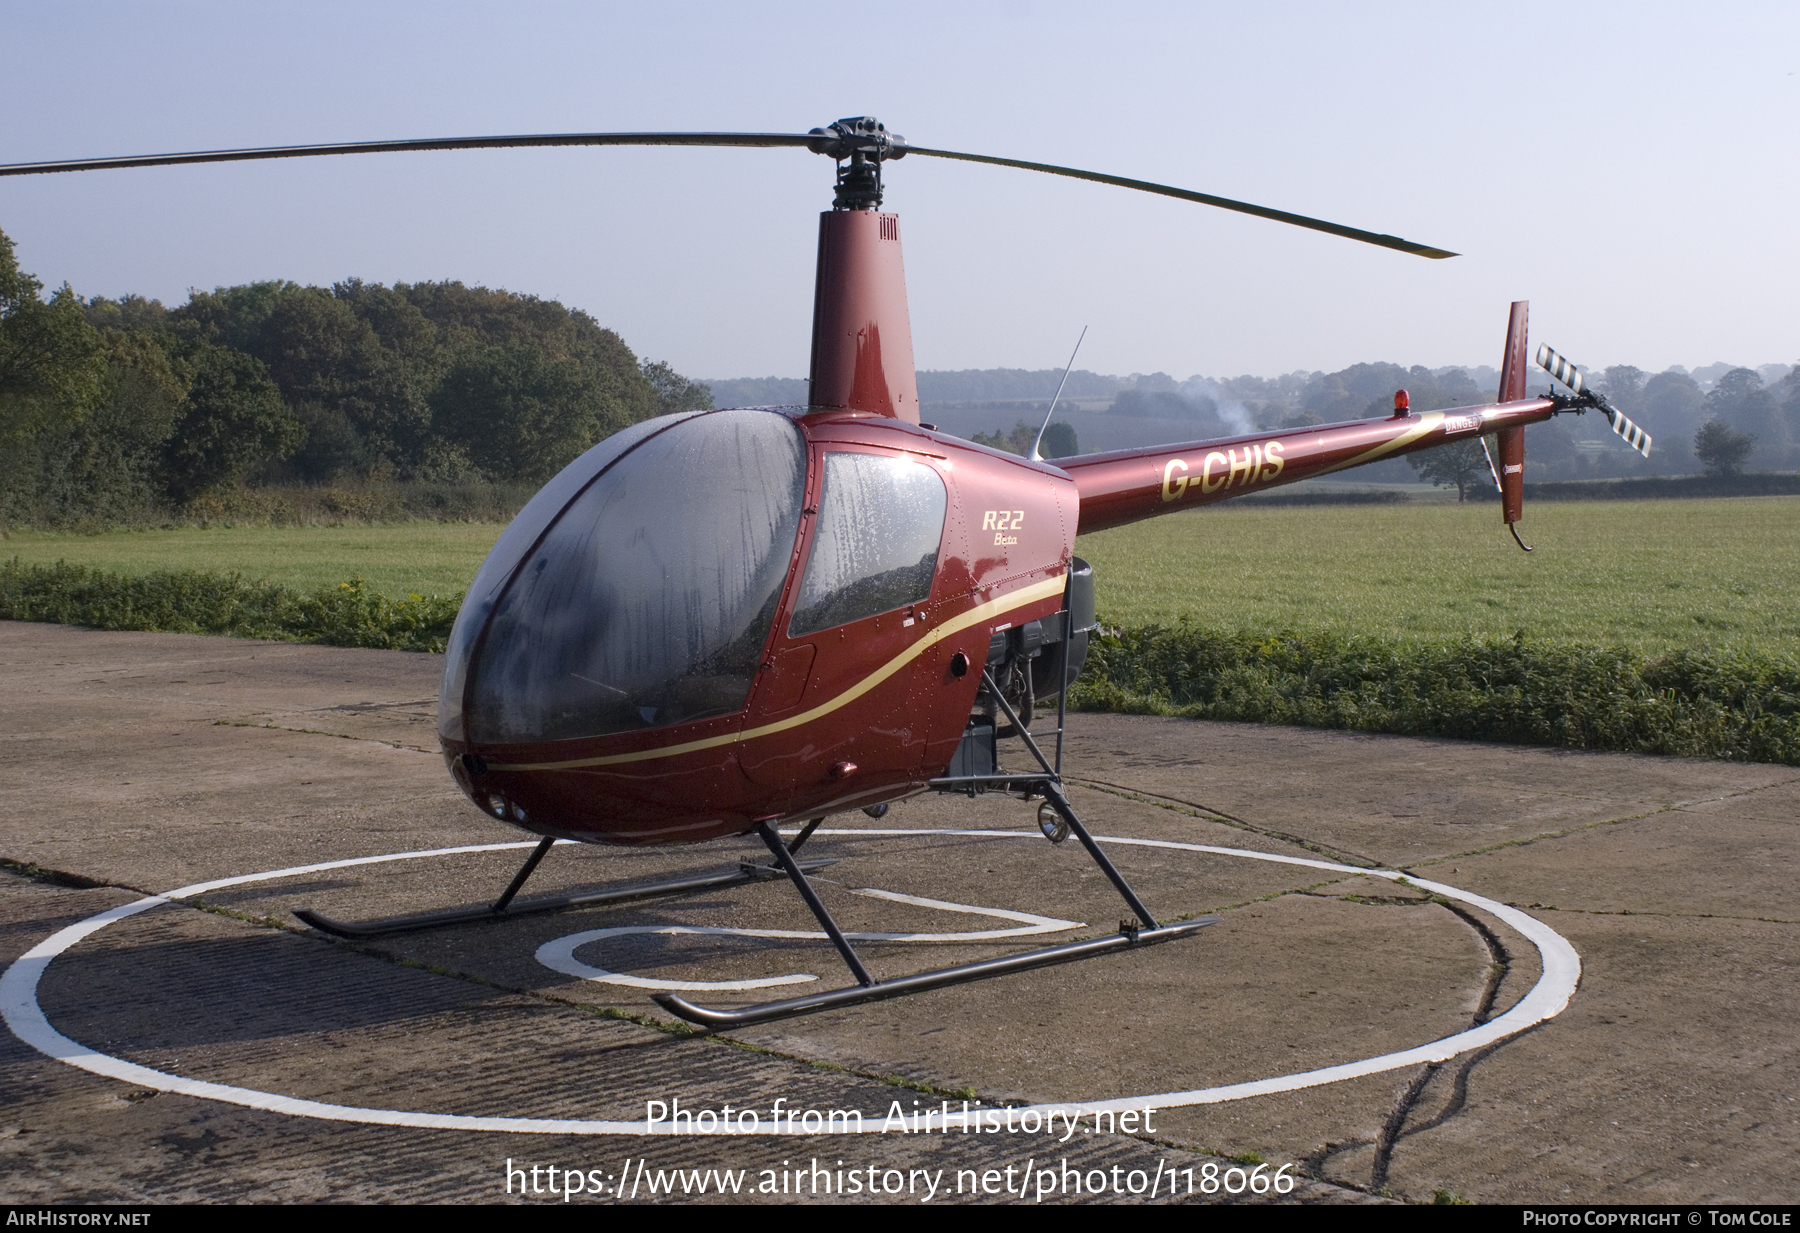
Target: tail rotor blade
1560, 368
1632, 435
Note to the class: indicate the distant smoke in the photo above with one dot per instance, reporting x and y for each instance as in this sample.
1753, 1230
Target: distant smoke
1231, 412
1237, 417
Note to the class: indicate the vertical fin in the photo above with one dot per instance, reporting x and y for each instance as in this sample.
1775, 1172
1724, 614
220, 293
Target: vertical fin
1513, 369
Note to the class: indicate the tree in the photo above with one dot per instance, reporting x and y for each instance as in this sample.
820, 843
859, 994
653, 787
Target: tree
675, 392
520, 414
362, 394
1460, 465
1623, 384
233, 423
1162, 404
1553, 452
103, 467
52, 364
114, 454
1059, 439
1672, 405
351, 391
1721, 450
1739, 400
1361, 390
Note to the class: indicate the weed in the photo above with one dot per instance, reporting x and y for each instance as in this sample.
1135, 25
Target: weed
54, 877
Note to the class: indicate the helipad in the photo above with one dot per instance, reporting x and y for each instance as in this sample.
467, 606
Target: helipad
1511, 973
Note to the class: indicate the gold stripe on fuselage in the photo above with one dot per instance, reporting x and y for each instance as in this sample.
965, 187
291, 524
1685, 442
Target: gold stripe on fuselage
974, 616
1426, 423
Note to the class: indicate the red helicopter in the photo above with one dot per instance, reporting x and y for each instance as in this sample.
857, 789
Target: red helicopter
719, 622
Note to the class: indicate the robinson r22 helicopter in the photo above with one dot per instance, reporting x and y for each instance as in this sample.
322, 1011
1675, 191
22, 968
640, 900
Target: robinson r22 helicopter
719, 622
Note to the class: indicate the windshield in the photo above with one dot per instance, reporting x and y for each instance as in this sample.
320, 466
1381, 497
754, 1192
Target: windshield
649, 600
520, 534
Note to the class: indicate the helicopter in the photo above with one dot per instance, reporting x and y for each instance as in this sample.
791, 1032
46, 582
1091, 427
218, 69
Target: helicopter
725, 622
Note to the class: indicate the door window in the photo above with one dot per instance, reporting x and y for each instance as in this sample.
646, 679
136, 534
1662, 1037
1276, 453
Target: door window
881, 520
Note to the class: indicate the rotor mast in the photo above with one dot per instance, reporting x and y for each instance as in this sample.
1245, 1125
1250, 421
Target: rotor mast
862, 356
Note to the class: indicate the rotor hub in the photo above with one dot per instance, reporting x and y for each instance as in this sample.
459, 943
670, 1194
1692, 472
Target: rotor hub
857, 144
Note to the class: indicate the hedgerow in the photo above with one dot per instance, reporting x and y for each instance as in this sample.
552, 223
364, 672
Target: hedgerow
192, 602
1699, 703
1741, 705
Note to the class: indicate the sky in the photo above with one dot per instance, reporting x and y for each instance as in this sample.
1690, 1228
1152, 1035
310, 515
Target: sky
1630, 169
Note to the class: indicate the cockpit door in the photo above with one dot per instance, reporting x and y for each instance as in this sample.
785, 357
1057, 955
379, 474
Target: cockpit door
851, 625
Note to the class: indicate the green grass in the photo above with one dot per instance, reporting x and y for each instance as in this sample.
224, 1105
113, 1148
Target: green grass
423, 558
1645, 575
1648, 575
1662, 627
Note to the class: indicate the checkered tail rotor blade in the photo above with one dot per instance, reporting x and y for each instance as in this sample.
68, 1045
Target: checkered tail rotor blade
1560, 368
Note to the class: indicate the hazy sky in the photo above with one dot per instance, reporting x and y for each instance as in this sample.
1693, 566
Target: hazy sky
1631, 169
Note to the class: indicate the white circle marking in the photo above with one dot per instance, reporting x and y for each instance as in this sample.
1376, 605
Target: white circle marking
559, 953
19, 1007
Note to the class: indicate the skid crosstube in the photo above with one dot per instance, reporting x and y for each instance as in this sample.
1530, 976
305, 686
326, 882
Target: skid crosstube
1144, 931
919, 982
386, 926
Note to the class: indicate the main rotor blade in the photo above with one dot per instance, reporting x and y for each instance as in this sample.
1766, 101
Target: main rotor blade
1224, 203
429, 143
741, 140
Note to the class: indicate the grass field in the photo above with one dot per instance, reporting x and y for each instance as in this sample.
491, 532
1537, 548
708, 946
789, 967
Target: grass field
1646, 575
1664, 627
423, 558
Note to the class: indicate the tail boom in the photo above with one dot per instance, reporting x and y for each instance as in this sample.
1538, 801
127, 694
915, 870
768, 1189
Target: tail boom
1126, 486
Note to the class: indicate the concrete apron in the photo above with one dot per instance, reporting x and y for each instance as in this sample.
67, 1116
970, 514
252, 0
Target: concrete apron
140, 763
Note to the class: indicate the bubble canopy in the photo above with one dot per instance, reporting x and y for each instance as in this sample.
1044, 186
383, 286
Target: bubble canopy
637, 590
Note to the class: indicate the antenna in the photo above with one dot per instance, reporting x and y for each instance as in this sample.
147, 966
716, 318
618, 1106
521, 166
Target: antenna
1035, 455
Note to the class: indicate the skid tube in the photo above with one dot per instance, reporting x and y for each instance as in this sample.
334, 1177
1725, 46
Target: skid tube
505, 908
1143, 931
717, 1020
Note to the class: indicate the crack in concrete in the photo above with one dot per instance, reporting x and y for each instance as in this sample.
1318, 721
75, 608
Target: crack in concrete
59, 877
1207, 812
1673, 807
342, 736
1544, 835
362, 708
1395, 1129
1591, 796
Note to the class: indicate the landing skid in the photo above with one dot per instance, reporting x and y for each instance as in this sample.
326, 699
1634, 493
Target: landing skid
505, 908
1143, 931
547, 903
919, 982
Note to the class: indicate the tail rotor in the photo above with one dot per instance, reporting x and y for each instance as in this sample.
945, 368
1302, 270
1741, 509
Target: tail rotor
1560, 368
